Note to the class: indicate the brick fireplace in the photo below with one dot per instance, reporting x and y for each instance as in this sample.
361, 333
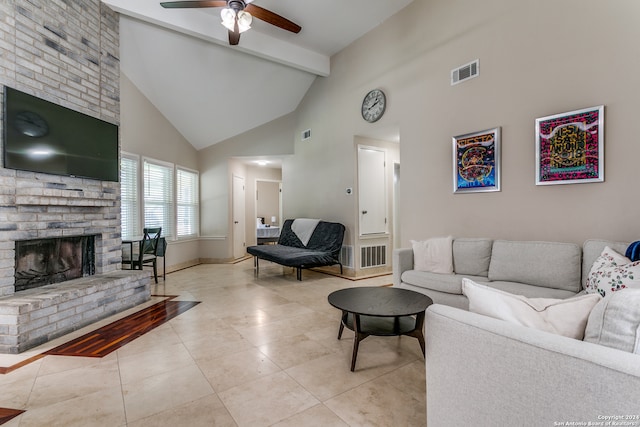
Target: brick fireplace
37, 206
67, 53
42, 207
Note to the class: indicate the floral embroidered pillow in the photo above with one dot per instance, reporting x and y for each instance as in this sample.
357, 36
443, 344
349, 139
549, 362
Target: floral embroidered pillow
612, 272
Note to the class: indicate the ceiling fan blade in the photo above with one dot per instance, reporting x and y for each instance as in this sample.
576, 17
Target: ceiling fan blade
234, 37
271, 18
193, 4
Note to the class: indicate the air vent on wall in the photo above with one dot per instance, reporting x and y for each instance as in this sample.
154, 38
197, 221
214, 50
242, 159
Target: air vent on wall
346, 256
373, 256
466, 72
306, 134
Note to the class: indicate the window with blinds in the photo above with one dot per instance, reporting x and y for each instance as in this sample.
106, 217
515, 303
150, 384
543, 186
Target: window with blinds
187, 206
158, 196
129, 210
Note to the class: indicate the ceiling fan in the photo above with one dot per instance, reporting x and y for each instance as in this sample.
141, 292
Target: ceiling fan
237, 15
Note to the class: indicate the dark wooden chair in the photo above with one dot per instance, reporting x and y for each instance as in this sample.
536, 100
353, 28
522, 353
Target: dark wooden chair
147, 251
161, 252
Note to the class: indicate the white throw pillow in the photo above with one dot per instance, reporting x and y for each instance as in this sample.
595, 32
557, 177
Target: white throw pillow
566, 317
615, 321
611, 272
434, 255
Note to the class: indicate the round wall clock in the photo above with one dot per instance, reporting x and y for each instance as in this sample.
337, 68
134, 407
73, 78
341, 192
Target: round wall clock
373, 105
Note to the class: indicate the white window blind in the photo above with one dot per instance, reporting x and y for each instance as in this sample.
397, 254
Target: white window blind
129, 203
158, 196
187, 203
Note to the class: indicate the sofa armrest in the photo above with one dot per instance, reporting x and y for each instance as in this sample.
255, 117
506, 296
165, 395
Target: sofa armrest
484, 371
402, 261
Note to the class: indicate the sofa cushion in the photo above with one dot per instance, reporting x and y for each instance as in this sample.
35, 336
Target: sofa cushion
567, 317
293, 257
633, 251
522, 262
326, 236
472, 256
612, 272
592, 249
434, 255
448, 283
529, 291
615, 321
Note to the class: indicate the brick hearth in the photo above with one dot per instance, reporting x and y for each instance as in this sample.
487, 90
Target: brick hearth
35, 316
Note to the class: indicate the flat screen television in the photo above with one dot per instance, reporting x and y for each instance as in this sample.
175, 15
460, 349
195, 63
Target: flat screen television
41, 136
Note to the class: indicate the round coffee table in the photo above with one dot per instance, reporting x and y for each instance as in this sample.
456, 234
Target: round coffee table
380, 311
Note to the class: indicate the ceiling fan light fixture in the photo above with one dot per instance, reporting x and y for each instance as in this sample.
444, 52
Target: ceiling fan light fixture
244, 21
234, 16
228, 16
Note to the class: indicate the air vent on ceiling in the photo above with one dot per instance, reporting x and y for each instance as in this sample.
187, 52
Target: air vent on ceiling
466, 72
306, 134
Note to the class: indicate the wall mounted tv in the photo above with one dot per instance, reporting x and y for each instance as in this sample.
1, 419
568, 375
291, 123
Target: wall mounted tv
40, 136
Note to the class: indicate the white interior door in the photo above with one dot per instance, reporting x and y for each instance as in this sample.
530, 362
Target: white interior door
238, 217
372, 190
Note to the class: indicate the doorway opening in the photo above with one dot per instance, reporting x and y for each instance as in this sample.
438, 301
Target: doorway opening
268, 211
239, 241
248, 174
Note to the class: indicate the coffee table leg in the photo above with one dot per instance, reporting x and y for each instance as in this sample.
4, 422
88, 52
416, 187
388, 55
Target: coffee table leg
343, 321
356, 340
417, 332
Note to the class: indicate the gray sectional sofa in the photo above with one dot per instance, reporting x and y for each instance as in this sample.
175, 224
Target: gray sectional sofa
488, 372
532, 269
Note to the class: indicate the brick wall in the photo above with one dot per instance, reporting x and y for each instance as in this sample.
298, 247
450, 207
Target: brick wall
64, 51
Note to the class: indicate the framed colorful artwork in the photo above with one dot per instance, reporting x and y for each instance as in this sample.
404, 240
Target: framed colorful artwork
570, 147
476, 161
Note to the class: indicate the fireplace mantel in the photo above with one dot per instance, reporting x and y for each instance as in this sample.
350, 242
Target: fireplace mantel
52, 192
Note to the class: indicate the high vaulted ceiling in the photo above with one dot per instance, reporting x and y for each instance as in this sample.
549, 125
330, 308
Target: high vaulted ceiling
181, 61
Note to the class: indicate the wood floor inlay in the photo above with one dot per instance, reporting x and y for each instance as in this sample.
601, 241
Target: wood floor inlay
7, 414
111, 337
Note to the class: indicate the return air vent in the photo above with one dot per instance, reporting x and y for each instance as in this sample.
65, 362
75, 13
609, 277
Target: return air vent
373, 256
346, 256
466, 72
306, 134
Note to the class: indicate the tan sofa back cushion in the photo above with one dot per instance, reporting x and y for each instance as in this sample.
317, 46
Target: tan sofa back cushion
472, 256
547, 264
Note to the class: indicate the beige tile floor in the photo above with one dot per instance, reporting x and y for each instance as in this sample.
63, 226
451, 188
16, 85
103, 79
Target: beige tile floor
256, 352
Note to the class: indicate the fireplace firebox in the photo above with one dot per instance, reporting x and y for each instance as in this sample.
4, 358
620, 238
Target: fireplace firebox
41, 262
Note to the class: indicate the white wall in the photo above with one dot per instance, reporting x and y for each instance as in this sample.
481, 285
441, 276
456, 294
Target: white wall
146, 132
217, 166
536, 59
